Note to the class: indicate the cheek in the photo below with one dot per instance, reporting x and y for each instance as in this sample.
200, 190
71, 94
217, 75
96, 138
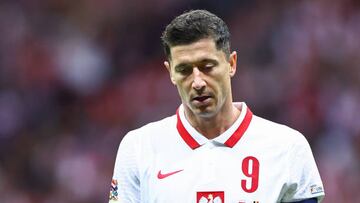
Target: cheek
183, 84
223, 85
182, 90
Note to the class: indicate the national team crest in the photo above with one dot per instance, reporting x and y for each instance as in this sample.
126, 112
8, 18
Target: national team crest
113, 190
210, 197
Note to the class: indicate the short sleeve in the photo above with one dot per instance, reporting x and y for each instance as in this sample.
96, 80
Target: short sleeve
304, 178
125, 184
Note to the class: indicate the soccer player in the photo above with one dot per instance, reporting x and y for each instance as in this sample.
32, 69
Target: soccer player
212, 149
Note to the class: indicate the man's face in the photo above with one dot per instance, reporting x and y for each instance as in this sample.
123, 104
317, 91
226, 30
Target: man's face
202, 75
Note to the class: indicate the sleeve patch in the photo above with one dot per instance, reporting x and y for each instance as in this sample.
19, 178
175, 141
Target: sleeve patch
113, 190
314, 189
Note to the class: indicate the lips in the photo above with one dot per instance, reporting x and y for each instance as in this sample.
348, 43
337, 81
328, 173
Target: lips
201, 98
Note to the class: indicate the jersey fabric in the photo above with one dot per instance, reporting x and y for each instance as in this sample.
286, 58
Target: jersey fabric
255, 160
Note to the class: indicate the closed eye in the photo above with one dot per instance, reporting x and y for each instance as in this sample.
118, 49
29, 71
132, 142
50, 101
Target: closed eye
207, 65
183, 69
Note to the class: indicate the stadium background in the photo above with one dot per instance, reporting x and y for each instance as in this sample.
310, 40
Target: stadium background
75, 76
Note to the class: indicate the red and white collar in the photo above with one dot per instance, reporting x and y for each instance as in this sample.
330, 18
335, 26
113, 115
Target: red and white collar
229, 138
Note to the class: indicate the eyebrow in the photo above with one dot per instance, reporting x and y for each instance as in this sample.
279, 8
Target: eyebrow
206, 60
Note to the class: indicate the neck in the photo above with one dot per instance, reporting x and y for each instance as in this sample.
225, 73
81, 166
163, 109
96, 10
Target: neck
212, 127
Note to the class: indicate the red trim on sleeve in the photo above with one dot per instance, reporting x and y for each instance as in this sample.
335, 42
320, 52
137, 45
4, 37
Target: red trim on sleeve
185, 134
241, 129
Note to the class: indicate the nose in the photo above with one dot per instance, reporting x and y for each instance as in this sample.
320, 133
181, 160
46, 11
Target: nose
198, 82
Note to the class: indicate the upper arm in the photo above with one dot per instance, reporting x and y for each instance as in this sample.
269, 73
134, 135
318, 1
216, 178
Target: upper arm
125, 185
304, 178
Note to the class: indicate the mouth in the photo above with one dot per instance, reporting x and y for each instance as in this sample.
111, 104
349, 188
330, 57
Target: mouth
201, 99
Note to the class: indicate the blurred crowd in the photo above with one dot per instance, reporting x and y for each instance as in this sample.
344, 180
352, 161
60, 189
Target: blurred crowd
75, 76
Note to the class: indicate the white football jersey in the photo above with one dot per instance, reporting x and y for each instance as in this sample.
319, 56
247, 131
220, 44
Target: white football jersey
255, 160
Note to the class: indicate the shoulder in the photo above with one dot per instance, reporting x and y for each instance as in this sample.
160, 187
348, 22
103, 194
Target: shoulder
263, 125
155, 127
151, 129
140, 141
276, 131
285, 139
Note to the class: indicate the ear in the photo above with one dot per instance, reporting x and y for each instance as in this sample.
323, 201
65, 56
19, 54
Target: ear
233, 62
167, 66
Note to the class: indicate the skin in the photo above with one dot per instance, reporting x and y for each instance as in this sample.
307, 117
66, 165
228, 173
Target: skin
202, 75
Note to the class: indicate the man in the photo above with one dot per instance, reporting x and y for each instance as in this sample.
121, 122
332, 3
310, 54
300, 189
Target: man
212, 149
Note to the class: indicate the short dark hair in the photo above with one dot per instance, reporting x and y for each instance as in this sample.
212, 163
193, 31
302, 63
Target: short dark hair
194, 25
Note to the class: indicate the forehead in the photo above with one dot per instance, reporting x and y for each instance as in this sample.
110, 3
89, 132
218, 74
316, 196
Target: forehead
197, 51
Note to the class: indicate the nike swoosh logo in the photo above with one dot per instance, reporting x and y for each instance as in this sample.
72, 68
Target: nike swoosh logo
165, 175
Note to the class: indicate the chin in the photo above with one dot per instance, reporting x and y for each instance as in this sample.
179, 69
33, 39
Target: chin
204, 113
